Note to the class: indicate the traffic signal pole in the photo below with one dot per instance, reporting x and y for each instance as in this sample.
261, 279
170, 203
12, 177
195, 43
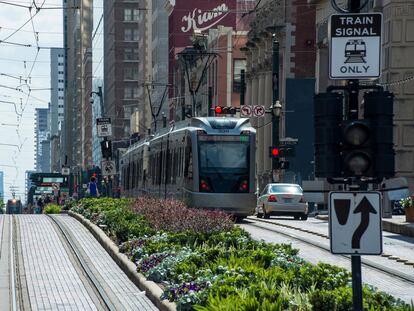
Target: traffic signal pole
275, 100
353, 85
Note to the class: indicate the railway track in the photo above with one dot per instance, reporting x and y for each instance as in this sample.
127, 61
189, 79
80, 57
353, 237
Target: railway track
19, 287
279, 228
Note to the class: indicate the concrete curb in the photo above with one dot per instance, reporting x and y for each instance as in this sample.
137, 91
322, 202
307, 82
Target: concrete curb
402, 229
152, 290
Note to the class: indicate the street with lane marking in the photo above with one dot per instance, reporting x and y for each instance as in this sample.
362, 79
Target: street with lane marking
309, 237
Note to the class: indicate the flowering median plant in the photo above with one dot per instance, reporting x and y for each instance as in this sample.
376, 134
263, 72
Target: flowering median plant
407, 202
203, 262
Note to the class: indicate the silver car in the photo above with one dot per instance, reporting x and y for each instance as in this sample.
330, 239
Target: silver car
282, 200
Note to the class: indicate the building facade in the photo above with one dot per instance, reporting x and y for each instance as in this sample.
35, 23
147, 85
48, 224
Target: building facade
397, 70
121, 63
78, 84
42, 140
214, 76
57, 96
293, 27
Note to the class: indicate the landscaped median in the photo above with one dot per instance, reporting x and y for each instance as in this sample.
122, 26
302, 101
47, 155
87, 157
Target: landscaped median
203, 262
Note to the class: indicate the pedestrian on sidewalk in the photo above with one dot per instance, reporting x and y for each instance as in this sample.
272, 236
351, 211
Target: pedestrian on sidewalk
92, 189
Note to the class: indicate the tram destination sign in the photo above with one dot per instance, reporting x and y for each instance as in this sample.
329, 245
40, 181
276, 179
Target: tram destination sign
355, 46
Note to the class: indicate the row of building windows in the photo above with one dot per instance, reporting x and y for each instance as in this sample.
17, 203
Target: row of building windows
131, 73
131, 53
130, 92
131, 15
131, 34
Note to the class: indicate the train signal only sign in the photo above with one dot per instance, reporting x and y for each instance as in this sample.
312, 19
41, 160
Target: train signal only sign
103, 127
355, 222
355, 46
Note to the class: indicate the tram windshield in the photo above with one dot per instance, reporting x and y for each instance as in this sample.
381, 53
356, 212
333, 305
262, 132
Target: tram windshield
224, 165
226, 156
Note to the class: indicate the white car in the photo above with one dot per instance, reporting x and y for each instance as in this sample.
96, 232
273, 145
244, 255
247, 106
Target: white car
282, 200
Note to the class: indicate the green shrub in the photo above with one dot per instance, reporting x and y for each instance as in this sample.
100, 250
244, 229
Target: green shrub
212, 266
52, 209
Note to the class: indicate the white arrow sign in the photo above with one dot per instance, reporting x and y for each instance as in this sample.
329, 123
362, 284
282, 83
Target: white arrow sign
246, 110
259, 110
355, 223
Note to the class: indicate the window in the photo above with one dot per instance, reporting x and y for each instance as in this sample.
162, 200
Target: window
127, 15
131, 53
131, 15
130, 34
238, 66
131, 73
130, 92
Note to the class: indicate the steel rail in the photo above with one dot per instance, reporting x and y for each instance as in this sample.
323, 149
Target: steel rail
368, 263
89, 274
14, 296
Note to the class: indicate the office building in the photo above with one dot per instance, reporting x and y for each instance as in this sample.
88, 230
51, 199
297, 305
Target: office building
42, 139
78, 84
121, 60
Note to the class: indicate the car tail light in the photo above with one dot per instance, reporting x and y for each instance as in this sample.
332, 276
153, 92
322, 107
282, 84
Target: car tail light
272, 198
244, 186
204, 186
302, 200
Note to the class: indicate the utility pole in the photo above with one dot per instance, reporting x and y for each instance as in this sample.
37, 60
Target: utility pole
276, 107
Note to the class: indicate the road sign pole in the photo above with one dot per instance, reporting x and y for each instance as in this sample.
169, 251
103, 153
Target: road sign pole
356, 282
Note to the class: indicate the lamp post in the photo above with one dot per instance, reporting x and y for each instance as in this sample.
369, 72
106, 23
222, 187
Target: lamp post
276, 110
276, 106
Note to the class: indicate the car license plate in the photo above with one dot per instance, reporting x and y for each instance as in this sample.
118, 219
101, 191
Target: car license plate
288, 200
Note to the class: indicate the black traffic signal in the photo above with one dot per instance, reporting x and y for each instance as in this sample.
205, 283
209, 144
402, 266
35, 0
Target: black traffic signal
225, 110
106, 148
328, 117
378, 108
284, 165
274, 152
357, 148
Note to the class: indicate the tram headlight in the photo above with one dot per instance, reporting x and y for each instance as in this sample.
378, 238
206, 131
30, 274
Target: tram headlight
244, 185
204, 185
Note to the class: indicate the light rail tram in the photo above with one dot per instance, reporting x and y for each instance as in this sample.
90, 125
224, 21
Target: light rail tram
206, 162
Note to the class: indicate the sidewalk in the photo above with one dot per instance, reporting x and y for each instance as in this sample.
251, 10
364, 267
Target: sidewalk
396, 224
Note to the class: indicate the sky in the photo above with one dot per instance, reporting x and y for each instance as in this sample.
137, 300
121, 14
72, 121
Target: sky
24, 81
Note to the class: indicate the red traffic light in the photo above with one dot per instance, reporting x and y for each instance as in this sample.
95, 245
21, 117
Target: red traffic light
274, 152
225, 110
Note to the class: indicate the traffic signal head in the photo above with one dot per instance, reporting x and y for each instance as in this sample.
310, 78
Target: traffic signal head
274, 152
357, 151
328, 116
225, 110
106, 148
378, 108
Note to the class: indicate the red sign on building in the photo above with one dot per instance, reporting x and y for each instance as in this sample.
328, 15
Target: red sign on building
200, 15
